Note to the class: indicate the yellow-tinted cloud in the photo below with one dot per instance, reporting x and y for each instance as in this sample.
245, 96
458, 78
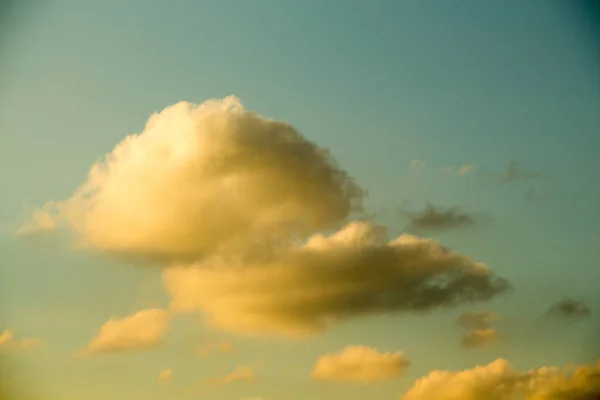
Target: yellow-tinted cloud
205, 178
40, 221
360, 364
8, 342
500, 381
352, 272
141, 330
479, 338
165, 376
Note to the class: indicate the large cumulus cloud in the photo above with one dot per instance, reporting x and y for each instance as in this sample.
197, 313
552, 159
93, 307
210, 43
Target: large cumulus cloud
498, 380
237, 207
352, 272
203, 178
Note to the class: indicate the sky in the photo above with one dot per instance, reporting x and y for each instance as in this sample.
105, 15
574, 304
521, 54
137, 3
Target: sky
274, 200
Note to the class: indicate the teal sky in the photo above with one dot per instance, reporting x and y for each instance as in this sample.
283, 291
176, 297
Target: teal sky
378, 83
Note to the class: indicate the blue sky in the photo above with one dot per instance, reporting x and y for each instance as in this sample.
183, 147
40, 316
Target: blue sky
380, 85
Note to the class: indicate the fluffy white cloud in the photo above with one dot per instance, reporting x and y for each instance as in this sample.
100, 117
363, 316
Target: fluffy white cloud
141, 330
165, 376
352, 272
204, 178
8, 342
479, 338
360, 364
500, 381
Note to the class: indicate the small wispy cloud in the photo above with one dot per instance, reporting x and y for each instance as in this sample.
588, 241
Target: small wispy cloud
461, 170
514, 173
165, 376
8, 342
40, 221
480, 338
432, 218
242, 373
360, 364
142, 330
478, 329
477, 319
569, 310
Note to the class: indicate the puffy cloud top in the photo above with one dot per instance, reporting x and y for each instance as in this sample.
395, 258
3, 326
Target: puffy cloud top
202, 178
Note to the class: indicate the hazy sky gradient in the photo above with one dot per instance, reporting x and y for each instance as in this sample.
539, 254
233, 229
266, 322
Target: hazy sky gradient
379, 84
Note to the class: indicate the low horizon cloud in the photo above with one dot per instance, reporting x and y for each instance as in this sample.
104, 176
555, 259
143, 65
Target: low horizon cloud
360, 364
498, 380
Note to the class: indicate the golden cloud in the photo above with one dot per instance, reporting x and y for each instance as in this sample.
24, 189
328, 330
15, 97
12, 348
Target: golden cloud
9, 343
500, 381
360, 364
203, 178
142, 330
355, 271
